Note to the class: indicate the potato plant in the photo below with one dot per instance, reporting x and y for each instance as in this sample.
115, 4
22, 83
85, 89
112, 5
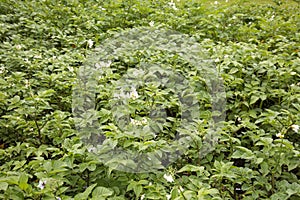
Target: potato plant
241, 126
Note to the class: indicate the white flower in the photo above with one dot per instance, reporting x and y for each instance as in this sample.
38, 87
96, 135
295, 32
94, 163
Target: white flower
90, 43
279, 135
103, 64
18, 47
92, 149
134, 94
150, 183
144, 121
169, 178
293, 73
27, 84
42, 184
226, 1
71, 69
295, 128
151, 23
58, 198
142, 196
168, 196
173, 5
216, 2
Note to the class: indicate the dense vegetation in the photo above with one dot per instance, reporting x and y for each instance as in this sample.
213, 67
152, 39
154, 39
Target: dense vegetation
253, 153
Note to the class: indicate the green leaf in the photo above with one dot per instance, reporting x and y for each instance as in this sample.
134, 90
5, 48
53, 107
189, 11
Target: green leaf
233, 70
83, 166
138, 189
259, 160
23, 181
243, 153
252, 113
12, 180
3, 186
254, 99
191, 168
48, 165
189, 194
85, 194
264, 168
102, 192
15, 99
279, 196
292, 164
92, 167
263, 97
19, 164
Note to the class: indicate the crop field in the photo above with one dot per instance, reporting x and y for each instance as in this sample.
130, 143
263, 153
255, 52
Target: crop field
149, 99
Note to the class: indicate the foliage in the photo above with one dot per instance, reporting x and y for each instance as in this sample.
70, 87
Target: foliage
255, 49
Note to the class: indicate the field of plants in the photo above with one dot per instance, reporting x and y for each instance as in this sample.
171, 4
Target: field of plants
149, 99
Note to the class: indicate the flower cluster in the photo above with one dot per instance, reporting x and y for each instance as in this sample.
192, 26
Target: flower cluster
137, 122
151, 23
133, 94
294, 127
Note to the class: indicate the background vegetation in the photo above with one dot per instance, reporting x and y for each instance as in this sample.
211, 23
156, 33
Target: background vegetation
254, 46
